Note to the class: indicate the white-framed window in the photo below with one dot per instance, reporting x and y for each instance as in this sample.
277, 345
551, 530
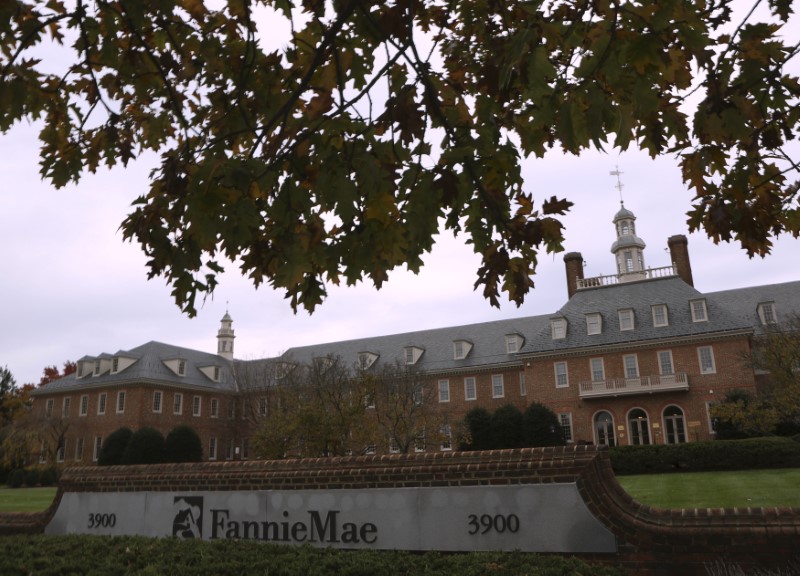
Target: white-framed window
212, 448
177, 404
262, 406
182, 368
115, 365
705, 355
565, 419
157, 397
628, 261
444, 390
447, 438
216, 373
48, 408
410, 355
626, 319
84, 408
96, 367
197, 406
660, 315
62, 450
79, 449
120, 401
66, 403
631, 364
419, 441
665, 365
766, 313
460, 349
98, 443
598, 369
498, 388
562, 376
101, 403
594, 323
523, 388
558, 327
394, 447
419, 394
214, 408
513, 343
231, 409
369, 400
699, 311
470, 390
370, 449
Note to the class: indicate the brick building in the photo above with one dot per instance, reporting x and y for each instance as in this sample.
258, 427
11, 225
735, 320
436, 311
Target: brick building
635, 357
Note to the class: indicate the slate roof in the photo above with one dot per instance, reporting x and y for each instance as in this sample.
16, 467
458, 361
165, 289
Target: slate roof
639, 296
149, 367
743, 302
487, 339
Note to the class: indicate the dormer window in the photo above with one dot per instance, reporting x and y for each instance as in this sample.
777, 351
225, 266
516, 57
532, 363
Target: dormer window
115, 365
660, 317
699, 311
626, 319
412, 354
513, 343
766, 313
558, 327
96, 367
461, 349
182, 368
366, 359
80, 370
216, 373
594, 323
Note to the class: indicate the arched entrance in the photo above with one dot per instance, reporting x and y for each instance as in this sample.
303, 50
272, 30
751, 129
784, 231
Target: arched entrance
638, 427
604, 429
674, 425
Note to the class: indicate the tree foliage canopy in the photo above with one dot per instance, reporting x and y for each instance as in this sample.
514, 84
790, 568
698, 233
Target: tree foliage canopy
338, 155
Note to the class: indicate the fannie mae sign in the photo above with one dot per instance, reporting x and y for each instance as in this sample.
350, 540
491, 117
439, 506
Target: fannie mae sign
533, 518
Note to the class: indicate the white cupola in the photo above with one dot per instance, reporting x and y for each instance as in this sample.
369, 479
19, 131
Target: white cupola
225, 337
628, 248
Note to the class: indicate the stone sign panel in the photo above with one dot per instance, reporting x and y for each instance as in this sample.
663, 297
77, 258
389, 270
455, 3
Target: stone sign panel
532, 518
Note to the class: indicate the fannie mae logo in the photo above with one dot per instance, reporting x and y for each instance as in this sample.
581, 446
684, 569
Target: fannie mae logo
305, 526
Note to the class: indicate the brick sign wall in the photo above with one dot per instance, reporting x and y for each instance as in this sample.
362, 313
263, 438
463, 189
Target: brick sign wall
502, 498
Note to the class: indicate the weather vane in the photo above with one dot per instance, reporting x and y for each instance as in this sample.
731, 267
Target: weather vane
616, 172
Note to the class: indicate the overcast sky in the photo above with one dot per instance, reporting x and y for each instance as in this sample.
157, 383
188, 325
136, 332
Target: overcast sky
70, 287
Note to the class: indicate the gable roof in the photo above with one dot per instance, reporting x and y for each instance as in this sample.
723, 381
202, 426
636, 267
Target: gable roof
149, 367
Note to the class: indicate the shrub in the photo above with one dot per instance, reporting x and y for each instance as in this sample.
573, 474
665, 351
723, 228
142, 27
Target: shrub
16, 478
772, 452
146, 446
507, 427
183, 445
114, 446
541, 427
33, 476
49, 477
478, 422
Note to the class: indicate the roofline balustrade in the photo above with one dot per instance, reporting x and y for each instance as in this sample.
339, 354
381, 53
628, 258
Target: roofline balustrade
611, 279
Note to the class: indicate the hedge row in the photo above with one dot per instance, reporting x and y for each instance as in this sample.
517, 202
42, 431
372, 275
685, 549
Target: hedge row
129, 555
32, 477
773, 452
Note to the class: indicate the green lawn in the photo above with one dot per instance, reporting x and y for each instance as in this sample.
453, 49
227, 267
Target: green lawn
716, 489
678, 490
26, 499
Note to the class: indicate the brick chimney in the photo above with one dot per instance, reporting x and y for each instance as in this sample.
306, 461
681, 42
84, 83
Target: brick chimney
573, 262
679, 252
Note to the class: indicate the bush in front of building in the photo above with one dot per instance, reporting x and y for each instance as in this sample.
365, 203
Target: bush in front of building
33, 476
507, 427
183, 445
541, 427
114, 447
146, 446
16, 478
49, 477
750, 453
